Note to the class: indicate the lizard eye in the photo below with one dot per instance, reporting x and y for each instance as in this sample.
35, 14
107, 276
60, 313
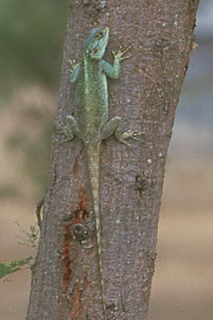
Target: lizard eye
99, 35
95, 50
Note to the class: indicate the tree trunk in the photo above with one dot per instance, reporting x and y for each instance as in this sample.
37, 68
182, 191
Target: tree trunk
66, 281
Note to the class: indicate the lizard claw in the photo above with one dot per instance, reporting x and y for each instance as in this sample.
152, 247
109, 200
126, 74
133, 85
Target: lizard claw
73, 63
65, 129
131, 134
122, 50
134, 134
122, 137
125, 48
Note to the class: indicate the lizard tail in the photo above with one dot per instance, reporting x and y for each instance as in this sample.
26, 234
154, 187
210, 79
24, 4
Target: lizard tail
93, 155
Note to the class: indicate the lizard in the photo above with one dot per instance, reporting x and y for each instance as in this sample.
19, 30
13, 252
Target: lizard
90, 122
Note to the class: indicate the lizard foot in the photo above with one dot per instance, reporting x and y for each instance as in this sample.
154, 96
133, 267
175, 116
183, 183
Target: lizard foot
123, 136
70, 129
73, 64
120, 54
65, 129
114, 126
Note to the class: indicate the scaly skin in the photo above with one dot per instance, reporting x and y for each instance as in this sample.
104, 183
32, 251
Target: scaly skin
90, 122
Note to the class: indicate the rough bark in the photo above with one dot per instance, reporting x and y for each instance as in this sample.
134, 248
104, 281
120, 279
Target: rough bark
65, 281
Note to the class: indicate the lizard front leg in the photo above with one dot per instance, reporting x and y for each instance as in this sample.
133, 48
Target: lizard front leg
113, 126
113, 71
75, 69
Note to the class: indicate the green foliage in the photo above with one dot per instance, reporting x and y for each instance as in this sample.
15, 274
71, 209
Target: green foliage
31, 236
11, 267
30, 240
31, 36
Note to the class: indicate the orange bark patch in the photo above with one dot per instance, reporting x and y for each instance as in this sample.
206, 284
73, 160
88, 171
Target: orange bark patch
76, 300
81, 214
66, 258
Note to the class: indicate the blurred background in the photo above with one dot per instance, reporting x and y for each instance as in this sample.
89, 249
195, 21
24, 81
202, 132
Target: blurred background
31, 44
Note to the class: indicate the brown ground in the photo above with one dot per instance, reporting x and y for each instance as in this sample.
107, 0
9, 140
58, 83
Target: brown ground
183, 281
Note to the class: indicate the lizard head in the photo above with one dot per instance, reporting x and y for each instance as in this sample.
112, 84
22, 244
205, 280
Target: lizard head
96, 43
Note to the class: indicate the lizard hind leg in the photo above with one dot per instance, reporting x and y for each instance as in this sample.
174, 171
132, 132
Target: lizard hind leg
110, 127
113, 126
70, 129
